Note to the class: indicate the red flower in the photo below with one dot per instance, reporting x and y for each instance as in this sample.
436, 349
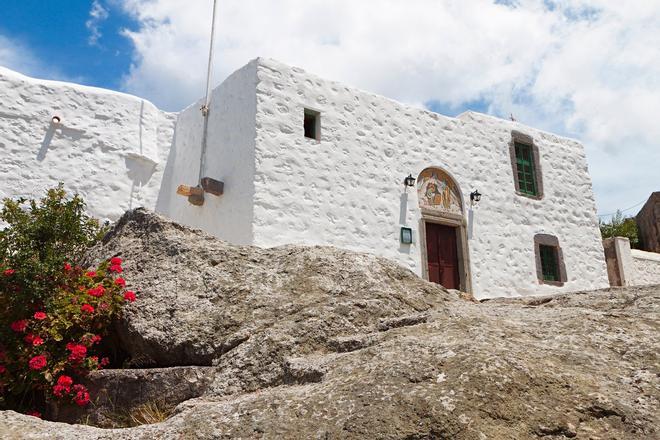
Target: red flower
115, 261
90, 274
95, 339
104, 306
120, 282
37, 341
78, 352
59, 391
9, 272
87, 308
63, 386
97, 291
19, 326
116, 269
3, 369
33, 340
34, 413
67, 267
65, 381
40, 316
105, 361
38, 362
129, 296
82, 396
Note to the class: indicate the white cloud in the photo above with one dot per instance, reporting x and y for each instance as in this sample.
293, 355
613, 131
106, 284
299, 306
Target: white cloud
17, 56
588, 68
97, 15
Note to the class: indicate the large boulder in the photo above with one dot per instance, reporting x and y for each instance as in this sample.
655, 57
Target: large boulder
199, 297
322, 343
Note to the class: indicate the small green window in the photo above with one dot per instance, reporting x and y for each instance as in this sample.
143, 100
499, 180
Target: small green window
525, 169
549, 266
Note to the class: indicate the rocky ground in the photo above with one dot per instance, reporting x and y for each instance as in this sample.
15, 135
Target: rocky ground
297, 342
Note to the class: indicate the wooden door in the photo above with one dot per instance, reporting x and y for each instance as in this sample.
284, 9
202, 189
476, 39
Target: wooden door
442, 255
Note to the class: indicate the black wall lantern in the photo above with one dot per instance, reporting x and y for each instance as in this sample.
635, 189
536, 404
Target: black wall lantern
409, 181
475, 196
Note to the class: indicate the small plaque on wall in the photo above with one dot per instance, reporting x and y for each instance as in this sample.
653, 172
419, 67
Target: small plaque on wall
406, 235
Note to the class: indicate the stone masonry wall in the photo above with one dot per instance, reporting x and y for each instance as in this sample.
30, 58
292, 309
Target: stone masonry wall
648, 222
346, 190
110, 147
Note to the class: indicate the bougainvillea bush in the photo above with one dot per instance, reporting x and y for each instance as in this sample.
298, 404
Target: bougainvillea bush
53, 313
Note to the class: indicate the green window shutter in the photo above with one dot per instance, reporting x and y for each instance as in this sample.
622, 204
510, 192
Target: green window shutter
549, 266
526, 171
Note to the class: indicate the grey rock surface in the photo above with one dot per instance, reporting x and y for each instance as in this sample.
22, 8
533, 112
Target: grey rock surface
323, 343
118, 392
199, 297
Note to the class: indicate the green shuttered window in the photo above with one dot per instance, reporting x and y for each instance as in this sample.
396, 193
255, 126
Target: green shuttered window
549, 266
526, 170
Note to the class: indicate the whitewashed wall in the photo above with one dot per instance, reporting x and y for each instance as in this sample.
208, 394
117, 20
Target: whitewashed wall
111, 148
645, 268
280, 187
229, 158
346, 190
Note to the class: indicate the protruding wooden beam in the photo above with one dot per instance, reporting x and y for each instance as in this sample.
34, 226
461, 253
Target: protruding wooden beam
195, 194
196, 199
185, 190
213, 186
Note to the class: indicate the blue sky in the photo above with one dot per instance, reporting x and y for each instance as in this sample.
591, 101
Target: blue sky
587, 69
58, 38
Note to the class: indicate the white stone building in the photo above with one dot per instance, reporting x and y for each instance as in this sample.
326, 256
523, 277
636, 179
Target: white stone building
310, 161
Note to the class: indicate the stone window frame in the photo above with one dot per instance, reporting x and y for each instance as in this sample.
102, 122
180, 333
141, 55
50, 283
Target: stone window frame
522, 138
552, 241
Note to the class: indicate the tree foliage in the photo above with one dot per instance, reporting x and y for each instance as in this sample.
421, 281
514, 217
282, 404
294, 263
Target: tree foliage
621, 226
42, 236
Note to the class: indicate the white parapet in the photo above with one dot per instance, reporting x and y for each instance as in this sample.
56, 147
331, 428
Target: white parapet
109, 147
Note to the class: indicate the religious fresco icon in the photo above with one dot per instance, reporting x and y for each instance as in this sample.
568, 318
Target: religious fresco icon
437, 191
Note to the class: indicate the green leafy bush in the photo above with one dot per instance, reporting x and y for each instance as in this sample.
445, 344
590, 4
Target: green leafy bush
620, 226
53, 314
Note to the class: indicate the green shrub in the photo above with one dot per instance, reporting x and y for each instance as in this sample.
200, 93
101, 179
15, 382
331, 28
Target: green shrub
620, 226
53, 314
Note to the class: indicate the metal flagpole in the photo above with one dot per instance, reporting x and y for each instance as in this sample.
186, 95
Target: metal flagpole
207, 98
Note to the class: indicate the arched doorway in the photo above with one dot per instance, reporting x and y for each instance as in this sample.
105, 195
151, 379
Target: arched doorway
443, 230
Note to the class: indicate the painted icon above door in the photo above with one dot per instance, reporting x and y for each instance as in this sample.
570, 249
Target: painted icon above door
436, 190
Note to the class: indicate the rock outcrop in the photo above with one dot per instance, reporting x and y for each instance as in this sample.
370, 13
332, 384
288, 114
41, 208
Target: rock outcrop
322, 343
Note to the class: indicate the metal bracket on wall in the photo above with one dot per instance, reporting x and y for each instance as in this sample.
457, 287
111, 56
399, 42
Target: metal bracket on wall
213, 186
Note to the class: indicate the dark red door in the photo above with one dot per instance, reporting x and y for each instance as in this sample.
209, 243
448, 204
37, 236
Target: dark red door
442, 255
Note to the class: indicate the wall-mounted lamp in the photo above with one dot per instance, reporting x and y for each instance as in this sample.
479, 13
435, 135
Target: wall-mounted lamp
56, 120
409, 181
475, 197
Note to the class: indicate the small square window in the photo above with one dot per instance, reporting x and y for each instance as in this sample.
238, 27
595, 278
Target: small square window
549, 263
312, 124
